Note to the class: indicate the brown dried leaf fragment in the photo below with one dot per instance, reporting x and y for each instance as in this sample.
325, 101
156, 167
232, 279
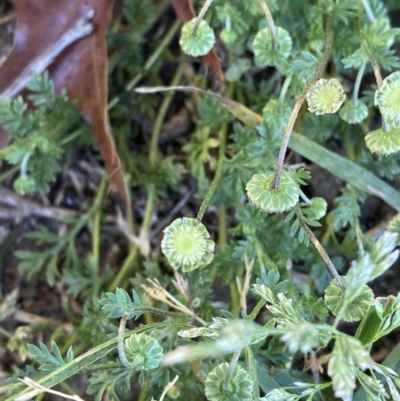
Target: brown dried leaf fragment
81, 68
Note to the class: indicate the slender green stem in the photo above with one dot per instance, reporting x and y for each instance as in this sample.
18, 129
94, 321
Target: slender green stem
284, 90
305, 198
275, 184
150, 62
24, 164
129, 264
331, 267
121, 342
235, 300
270, 22
211, 189
257, 309
357, 84
155, 136
71, 136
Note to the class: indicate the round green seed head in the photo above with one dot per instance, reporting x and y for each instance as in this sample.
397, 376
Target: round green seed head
262, 47
200, 43
238, 388
269, 200
187, 244
353, 114
387, 98
383, 142
325, 97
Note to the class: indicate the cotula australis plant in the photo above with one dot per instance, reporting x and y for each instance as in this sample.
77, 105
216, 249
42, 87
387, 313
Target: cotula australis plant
302, 106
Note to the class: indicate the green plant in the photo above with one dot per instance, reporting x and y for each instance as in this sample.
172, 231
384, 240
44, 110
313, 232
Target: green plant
246, 347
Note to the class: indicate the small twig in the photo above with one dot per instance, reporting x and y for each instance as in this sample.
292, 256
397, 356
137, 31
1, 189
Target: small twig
331, 267
38, 388
168, 387
159, 293
80, 28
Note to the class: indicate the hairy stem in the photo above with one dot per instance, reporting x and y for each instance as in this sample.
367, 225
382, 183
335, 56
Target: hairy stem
374, 64
121, 340
378, 77
270, 22
275, 184
201, 15
319, 248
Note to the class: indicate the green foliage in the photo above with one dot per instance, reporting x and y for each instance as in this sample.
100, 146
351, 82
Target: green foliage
37, 133
121, 303
49, 359
237, 321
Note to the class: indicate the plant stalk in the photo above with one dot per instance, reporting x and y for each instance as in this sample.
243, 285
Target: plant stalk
275, 184
331, 267
270, 22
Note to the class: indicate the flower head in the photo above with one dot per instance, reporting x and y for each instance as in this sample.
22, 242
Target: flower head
262, 47
270, 200
238, 388
383, 142
144, 351
186, 244
325, 97
387, 98
334, 301
353, 113
25, 185
199, 43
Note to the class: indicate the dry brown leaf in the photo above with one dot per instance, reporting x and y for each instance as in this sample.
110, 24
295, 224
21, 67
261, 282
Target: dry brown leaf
185, 11
81, 68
